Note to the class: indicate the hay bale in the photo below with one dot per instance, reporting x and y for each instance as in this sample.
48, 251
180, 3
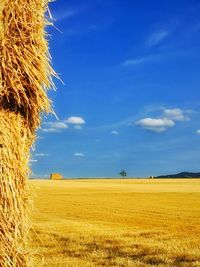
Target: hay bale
56, 176
24, 59
15, 142
25, 76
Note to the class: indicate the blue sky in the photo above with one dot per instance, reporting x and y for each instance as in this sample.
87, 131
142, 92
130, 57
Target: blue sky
130, 98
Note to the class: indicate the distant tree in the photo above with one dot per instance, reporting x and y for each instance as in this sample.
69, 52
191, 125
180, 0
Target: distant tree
123, 174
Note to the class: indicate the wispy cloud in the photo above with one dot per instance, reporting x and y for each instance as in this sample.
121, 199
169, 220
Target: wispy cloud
127, 122
57, 125
54, 127
157, 37
78, 127
40, 137
73, 10
137, 61
198, 132
176, 114
41, 155
31, 161
66, 13
51, 130
154, 39
115, 132
79, 154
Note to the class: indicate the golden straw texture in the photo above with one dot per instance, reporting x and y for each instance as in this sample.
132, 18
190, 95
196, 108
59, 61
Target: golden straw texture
24, 59
25, 76
16, 140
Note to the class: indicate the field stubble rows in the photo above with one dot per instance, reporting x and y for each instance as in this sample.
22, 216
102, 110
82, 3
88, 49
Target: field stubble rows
130, 222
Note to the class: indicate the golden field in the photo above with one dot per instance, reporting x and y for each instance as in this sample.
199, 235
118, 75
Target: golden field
129, 222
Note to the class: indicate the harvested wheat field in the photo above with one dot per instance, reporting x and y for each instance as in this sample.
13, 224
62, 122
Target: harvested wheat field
116, 223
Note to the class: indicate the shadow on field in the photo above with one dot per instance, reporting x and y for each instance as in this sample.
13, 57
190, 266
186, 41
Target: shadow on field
104, 251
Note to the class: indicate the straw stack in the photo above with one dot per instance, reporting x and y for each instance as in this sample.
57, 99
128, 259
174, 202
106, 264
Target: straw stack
25, 69
14, 201
25, 76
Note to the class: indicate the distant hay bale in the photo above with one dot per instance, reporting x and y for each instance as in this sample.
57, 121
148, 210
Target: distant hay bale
56, 176
25, 76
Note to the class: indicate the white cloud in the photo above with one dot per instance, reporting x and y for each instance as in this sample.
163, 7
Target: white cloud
79, 154
198, 132
166, 120
176, 114
115, 132
157, 37
59, 126
155, 124
41, 155
75, 120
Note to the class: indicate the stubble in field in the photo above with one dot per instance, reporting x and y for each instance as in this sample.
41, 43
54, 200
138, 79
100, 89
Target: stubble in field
116, 223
